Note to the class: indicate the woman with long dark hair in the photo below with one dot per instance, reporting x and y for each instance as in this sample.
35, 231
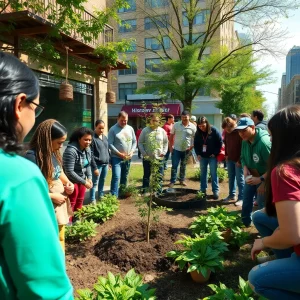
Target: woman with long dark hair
31, 259
207, 145
44, 151
77, 161
279, 222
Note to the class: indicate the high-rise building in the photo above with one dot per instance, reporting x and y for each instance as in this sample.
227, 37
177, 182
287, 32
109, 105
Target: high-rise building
292, 63
137, 22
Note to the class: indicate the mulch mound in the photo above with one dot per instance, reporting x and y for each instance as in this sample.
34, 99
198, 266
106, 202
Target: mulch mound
127, 248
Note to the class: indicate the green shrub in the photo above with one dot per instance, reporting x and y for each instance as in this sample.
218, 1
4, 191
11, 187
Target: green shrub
112, 287
222, 174
196, 175
101, 212
81, 230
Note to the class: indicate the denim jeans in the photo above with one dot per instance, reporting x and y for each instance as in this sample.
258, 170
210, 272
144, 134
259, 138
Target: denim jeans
166, 159
235, 177
278, 279
266, 225
99, 181
120, 169
147, 174
213, 165
249, 193
179, 157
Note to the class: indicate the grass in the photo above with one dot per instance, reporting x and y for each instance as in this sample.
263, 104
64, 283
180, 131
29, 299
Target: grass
136, 174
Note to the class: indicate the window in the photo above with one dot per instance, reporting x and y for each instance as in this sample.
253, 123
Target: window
133, 47
154, 64
198, 20
132, 6
126, 89
156, 3
132, 69
197, 38
157, 21
127, 26
154, 44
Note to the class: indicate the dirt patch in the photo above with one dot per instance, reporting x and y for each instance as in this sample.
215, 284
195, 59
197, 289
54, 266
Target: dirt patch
126, 248
179, 196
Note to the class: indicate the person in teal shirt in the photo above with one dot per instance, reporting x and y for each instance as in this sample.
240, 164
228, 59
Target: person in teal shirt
32, 263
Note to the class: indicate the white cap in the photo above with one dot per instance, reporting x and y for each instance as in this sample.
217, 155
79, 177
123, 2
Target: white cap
193, 118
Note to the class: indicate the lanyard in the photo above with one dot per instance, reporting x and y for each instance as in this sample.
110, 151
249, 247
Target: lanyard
204, 140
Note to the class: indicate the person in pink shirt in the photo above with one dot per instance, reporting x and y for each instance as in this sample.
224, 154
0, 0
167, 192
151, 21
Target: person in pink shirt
168, 127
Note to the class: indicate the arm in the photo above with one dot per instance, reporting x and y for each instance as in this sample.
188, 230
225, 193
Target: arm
219, 142
30, 243
111, 141
142, 141
288, 232
197, 144
69, 186
69, 159
134, 141
165, 143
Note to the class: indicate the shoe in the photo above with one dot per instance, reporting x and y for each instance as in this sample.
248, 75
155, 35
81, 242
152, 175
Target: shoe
239, 203
183, 183
171, 185
227, 199
264, 259
255, 203
93, 202
216, 196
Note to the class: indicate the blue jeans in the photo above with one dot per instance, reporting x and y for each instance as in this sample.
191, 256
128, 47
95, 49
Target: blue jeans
278, 279
235, 177
120, 169
99, 181
179, 157
266, 225
213, 165
147, 174
249, 193
166, 159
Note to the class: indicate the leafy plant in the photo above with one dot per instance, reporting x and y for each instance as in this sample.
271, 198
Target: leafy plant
114, 287
81, 230
104, 210
203, 254
200, 195
239, 237
222, 292
196, 175
222, 174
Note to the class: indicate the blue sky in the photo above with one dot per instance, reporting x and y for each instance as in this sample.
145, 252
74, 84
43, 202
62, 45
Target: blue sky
292, 24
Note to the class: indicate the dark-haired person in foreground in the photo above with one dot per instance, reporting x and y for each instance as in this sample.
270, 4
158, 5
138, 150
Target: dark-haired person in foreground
100, 154
77, 162
279, 222
45, 146
31, 259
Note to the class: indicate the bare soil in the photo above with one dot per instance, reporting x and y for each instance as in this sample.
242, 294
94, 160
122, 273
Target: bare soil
120, 245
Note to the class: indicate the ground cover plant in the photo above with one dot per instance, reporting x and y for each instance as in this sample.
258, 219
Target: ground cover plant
81, 231
115, 287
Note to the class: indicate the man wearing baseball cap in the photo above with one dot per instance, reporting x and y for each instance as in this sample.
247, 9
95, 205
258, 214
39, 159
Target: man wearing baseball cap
256, 146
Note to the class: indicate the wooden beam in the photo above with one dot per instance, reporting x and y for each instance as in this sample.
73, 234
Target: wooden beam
31, 30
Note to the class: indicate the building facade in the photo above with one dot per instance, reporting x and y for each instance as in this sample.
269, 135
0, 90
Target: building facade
137, 23
292, 64
89, 90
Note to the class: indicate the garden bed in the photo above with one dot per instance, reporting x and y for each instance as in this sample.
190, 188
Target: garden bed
120, 244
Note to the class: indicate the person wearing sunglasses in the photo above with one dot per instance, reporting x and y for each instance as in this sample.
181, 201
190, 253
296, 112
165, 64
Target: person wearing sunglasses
31, 258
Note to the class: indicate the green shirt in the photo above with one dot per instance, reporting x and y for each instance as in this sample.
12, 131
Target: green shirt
32, 262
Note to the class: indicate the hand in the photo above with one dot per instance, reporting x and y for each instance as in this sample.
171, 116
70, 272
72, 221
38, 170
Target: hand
58, 198
254, 181
88, 184
246, 172
122, 155
109, 167
199, 157
257, 247
69, 188
261, 189
96, 172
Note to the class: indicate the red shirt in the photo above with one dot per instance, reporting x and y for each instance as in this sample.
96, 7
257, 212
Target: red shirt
286, 187
167, 127
138, 133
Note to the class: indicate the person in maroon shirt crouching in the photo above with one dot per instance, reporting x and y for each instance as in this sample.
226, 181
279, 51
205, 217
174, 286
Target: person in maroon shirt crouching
279, 222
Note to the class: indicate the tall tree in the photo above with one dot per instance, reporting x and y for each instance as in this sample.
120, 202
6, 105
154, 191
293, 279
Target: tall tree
179, 21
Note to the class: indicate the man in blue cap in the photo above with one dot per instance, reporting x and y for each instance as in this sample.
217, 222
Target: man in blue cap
255, 153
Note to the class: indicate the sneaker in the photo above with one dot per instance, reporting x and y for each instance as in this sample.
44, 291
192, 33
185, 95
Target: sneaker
93, 202
239, 203
227, 199
264, 259
216, 196
183, 183
171, 185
